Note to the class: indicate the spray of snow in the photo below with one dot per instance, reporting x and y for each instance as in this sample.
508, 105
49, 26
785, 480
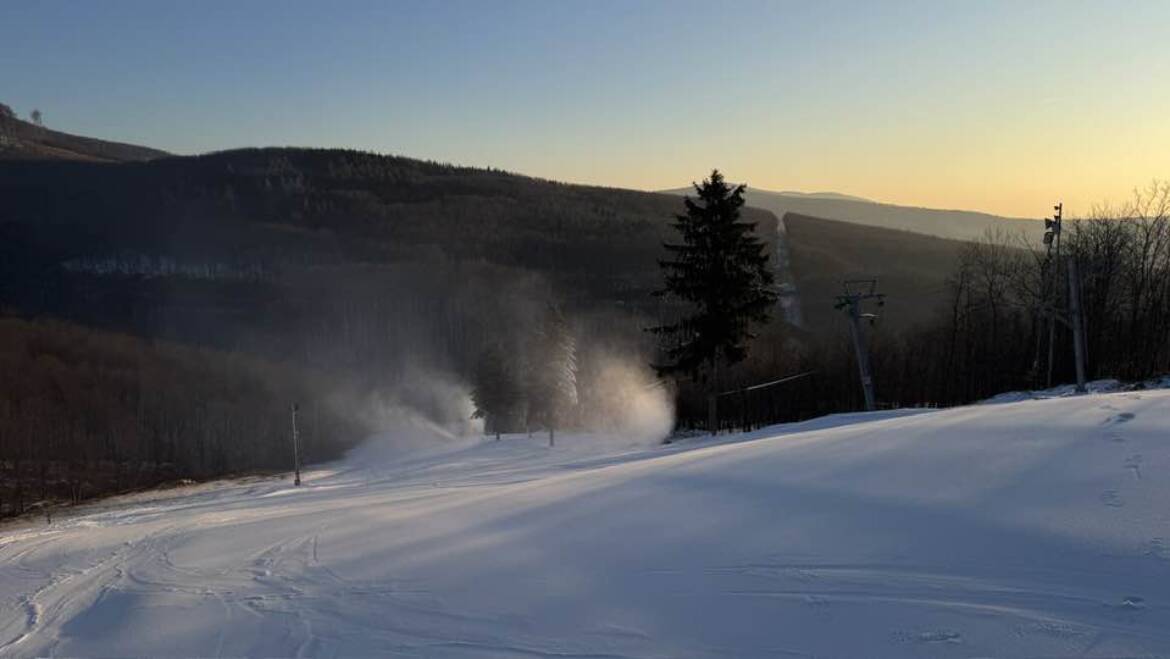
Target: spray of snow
430, 411
625, 403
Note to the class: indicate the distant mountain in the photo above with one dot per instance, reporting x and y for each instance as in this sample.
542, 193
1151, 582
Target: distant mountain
953, 224
22, 140
786, 193
823, 195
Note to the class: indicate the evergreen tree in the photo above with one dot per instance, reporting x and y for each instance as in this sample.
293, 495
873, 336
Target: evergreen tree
720, 271
495, 391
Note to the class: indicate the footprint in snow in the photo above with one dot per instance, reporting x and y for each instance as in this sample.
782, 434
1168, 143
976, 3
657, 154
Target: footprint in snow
1055, 629
1134, 464
1132, 603
930, 636
1119, 418
1157, 548
1112, 499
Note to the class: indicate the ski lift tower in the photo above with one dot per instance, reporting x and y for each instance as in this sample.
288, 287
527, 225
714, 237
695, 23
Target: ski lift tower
856, 292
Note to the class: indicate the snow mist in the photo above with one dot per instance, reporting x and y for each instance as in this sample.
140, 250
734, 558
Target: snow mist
623, 401
429, 410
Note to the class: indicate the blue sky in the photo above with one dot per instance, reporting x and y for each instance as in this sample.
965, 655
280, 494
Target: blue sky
992, 106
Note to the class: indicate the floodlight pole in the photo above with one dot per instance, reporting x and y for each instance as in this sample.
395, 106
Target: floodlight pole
1056, 231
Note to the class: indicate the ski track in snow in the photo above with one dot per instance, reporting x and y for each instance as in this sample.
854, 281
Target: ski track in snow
1033, 528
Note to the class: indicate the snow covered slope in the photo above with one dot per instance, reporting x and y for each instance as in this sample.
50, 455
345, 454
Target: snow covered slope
1022, 529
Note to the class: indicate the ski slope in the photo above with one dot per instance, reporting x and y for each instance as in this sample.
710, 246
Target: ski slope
1031, 528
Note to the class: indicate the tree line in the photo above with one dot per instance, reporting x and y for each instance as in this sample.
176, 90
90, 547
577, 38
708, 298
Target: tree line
992, 332
85, 413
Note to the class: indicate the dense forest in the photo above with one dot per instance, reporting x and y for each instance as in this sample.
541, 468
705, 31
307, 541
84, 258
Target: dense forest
85, 413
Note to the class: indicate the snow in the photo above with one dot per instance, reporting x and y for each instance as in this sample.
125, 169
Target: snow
1038, 527
1093, 387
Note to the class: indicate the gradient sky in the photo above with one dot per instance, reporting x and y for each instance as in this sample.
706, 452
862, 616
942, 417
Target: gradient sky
997, 106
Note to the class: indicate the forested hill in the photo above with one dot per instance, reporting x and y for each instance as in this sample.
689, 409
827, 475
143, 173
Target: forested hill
190, 247
268, 209
23, 140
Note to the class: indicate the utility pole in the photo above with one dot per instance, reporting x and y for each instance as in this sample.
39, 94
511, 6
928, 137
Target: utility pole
296, 449
1077, 320
1052, 235
856, 292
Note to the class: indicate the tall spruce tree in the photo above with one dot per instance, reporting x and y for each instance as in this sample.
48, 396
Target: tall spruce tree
720, 271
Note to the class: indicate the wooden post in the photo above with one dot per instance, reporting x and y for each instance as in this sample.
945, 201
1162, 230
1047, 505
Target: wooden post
743, 410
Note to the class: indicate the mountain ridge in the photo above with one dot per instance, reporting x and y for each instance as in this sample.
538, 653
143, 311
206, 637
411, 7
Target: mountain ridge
955, 224
23, 140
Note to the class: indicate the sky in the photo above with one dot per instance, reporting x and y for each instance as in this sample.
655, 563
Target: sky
1004, 107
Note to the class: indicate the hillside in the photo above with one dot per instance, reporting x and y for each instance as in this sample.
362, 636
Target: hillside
911, 268
1025, 529
952, 224
22, 140
339, 258
107, 244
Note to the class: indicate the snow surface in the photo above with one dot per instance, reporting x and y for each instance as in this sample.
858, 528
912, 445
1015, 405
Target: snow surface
1033, 528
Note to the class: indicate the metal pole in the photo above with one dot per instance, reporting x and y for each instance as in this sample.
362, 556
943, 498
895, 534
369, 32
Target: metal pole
862, 355
1057, 218
296, 449
1077, 320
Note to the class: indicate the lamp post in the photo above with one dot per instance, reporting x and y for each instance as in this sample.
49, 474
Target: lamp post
1052, 240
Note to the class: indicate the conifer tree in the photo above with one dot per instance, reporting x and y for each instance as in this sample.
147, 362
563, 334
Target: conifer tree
720, 271
495, 391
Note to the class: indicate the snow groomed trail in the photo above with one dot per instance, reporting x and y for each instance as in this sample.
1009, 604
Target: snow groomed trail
1035, 528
